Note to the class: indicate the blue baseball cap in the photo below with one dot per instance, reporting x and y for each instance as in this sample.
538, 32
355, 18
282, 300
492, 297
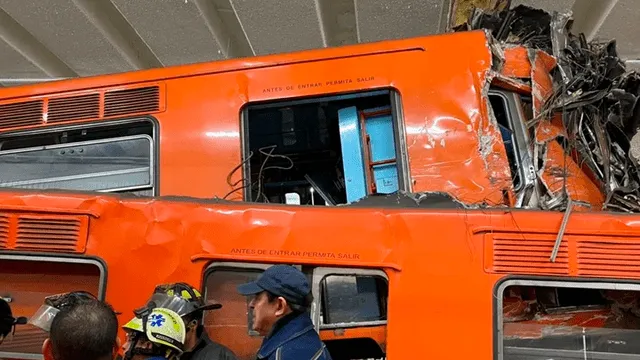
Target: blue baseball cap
280, 280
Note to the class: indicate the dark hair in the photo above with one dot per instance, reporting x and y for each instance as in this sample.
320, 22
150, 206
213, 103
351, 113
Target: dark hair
86, 331
296, 308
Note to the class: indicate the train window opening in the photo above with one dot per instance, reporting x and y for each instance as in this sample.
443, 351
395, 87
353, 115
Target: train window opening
348, 299
232, 324
506, 127
25, 283
322, 151
357, 302
560, 322
98, 158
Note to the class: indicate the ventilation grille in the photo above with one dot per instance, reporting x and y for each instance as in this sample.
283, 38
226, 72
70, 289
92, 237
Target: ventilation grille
21, 114
609, 257
4, 231
88, 106
143, 100
50, 233
587, 255
527, 254
74, 108
26, 340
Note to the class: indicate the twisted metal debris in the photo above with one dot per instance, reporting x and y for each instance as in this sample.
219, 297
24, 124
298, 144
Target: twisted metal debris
595, 96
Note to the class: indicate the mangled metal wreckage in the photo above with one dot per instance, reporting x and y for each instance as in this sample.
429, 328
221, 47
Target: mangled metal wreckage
584, 111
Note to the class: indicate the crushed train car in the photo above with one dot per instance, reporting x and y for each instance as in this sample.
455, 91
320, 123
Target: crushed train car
585, 106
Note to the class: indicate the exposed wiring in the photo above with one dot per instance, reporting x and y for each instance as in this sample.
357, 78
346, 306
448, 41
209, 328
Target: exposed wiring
269, 154
242, 180
267, 151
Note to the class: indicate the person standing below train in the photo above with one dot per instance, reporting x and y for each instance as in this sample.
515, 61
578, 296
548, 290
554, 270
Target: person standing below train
7, 321
80, 327
157, 335
185, 300
281, 298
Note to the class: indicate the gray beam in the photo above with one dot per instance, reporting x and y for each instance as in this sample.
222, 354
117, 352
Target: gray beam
115, 27
445, 16
338, 25
226, 30
31, 48
590, 15
16, 81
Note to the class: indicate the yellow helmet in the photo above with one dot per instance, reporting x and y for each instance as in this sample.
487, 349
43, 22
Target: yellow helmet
134, 324
163, 327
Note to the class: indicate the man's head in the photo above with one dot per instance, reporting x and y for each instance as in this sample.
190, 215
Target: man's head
279, 291
162, 336
187, 301
85, 331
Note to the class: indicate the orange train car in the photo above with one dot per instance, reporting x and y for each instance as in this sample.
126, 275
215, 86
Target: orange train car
261, 129
444, 113
386, 284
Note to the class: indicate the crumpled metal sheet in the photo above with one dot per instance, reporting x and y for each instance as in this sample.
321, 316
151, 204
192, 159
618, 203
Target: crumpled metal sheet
403, 199
522, 25
594, 159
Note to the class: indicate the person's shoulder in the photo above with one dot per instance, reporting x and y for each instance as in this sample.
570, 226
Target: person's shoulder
304, 347
220, 351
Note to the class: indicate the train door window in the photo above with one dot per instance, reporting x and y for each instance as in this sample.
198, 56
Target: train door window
231, 325
26, 281
323, 151
99, 158
542, 320
511, 114
505, 125
356, 302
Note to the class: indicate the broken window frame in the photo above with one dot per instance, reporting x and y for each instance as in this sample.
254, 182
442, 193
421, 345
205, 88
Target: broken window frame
397, 114
575, 284
320, 273
518, 123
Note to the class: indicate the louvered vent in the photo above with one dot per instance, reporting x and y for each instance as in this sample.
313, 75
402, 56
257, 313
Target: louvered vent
48, 233
609, 257
21, 114
527, 253
82, 107
132, 101
4, 231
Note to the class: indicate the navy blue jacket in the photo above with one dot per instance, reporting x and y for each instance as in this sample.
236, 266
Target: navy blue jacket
293, 338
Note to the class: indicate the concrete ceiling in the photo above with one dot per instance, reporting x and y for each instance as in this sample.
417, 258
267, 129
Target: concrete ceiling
47, 39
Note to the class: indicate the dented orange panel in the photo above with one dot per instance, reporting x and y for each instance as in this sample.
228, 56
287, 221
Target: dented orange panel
541, 81
144, 242
516, 62
560, 172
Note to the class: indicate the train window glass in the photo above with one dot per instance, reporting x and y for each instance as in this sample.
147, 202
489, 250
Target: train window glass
104, 159
25, 284
231, 325
353, 299
556, 322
